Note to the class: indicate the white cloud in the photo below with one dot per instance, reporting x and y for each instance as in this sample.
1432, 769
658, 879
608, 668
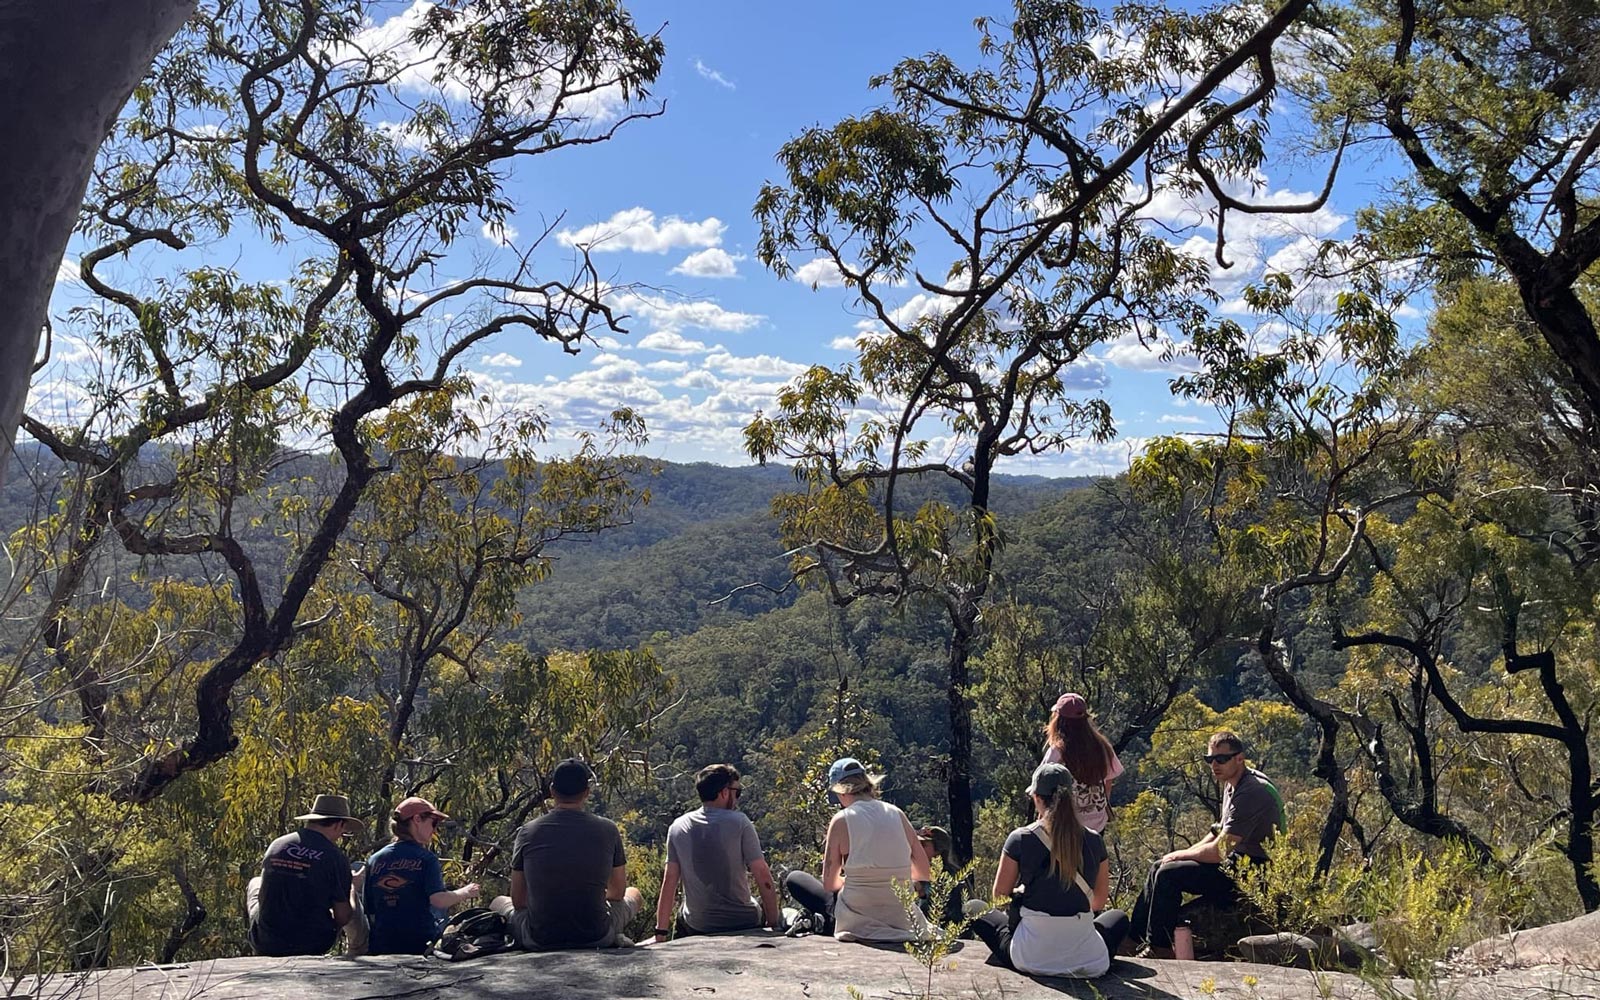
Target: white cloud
1127, 352
669, 367
819, 273
500, 233
636, 229
672, 343
712, 262
673, 314
67, 272
707, 73
697, 379
761, 365
1180, 418
503, 360
536, 78
922, 305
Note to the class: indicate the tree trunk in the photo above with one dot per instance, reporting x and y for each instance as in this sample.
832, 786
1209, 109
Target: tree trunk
66, 69
958, 778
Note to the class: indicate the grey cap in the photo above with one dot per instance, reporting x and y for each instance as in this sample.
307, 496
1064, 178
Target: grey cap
1048, 779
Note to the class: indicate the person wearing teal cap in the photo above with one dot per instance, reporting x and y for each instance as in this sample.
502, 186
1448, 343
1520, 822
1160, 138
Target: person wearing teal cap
1057, 876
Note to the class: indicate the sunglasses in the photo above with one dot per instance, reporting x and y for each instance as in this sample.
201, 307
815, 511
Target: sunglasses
737, 790
1219, 758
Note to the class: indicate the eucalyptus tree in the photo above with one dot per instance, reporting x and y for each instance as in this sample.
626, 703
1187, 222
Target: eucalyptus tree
66, 69
1494, 109
1012, 193
362, 156
1422, 513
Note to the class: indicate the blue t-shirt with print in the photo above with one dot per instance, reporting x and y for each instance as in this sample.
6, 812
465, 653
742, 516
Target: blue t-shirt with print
400, 878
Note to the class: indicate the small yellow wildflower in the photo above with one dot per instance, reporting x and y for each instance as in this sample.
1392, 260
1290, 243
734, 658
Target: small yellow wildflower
1251, 981
1208, 986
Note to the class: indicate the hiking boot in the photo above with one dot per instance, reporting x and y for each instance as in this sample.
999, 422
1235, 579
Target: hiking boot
805, 923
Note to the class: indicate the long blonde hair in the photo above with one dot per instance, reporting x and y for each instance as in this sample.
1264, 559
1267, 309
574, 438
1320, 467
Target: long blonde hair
1066, 835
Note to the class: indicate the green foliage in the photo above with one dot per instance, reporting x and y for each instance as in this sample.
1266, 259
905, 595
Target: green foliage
939, 939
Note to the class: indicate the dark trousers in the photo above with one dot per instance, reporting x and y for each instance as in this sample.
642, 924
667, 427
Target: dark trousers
1156, 912
996, 928
807, 893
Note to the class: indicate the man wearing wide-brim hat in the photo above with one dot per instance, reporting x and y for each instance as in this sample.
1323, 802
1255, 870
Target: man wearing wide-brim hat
302, 896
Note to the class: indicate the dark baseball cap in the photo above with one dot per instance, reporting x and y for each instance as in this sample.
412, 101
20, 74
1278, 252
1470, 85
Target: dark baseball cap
571, 778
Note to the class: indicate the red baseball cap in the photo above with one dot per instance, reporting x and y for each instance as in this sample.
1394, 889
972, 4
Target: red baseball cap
413, 807
1071, 706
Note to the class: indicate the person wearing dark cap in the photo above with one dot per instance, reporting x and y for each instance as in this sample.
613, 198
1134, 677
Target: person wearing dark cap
302, 896
1057, 875
870, 845
1072, 739
405, 898
569, 876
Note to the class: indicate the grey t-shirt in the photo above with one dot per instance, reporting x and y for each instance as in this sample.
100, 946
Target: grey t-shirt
714, 849
1250, 814
566, 857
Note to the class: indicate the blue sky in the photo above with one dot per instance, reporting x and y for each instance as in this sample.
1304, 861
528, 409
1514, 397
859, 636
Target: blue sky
665, 210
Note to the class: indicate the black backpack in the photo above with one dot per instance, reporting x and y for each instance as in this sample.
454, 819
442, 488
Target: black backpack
472, 933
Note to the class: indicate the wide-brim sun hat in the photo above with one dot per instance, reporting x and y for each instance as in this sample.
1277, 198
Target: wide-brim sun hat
325, 808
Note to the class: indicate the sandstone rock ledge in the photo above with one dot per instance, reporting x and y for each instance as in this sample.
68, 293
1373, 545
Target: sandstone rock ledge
756, 966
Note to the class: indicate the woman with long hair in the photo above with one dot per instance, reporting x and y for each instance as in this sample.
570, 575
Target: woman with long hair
1073, 740
405, 897
1057, 876
870, 845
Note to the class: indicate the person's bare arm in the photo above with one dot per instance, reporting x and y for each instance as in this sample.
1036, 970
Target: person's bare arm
1208, 851
342, 912
668, 900
1005, 877
519, 890
447, 898
921, 868
1102, 887
834, 855
771, 915
618, 884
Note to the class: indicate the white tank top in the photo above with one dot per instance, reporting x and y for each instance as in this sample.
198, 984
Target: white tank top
877, 836
867, 908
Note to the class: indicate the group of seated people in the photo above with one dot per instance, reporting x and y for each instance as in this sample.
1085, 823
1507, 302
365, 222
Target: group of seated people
569, 884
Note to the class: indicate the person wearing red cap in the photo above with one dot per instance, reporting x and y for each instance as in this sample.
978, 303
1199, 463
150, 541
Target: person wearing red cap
1072, 739
405, 897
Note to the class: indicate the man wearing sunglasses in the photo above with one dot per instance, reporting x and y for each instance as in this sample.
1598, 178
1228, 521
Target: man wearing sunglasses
1252, 811
712, 851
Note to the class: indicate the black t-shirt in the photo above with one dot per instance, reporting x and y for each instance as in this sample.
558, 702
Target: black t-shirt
1041, 890
566, 857
302, 875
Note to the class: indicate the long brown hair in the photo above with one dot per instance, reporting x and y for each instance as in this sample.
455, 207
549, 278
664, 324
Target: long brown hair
1066, 836
1084, 751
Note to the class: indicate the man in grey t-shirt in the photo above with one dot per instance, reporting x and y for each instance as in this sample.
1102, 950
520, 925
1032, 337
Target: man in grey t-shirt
712, 852
1252, 811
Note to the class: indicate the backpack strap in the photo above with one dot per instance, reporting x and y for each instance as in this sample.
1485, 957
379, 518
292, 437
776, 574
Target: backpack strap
1077, 877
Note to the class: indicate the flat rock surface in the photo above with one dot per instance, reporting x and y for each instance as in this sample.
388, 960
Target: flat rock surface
1573, 942
756, 966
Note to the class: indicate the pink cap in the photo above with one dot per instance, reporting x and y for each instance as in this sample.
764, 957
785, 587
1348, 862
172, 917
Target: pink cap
1071, 706
413, 807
